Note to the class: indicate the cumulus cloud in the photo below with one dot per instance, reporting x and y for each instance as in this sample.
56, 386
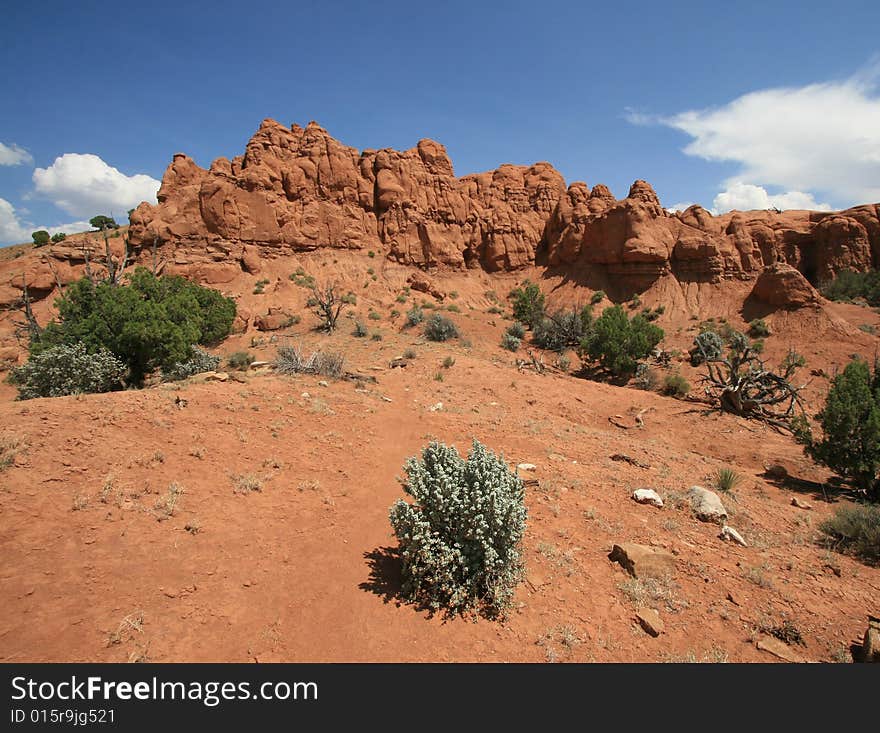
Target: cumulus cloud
12, 154
819, 139
682, 206
12, 230
84, 185
15, 230
746, 196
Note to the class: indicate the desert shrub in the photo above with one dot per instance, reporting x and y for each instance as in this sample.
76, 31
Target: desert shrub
517, 330
563, 362
597, 297
460, 540
758, 346
360, 330
759, 329
849, 285
373, 316
440, 328
301, 278
563, 329
850, 421
855, 529
528, 303
240, 360
415, 315
410, 354
377, 336
617, 343
646, 377
59, 237
150, 322
510, 342
293, 360
41, 237
726, 480
449, 362
199, 362
67, 369
708, 345
675, 385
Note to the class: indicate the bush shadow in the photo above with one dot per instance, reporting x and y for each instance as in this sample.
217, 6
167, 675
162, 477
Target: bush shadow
385, 574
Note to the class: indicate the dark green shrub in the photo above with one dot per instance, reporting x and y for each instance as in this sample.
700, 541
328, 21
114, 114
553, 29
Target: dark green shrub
758, 329
41, 237
597, 297
377, 336
199, 362
103, 222
440, 328
617, 343
855, 529
528, 303
850, 421
67, 369
373, 316
148, 323
563, 329
240, 360
59, 237
849, 286
460, 540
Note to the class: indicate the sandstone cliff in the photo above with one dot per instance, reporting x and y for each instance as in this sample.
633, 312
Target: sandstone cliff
297, 189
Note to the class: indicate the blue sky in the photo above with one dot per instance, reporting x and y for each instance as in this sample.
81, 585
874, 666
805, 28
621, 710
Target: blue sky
730, 105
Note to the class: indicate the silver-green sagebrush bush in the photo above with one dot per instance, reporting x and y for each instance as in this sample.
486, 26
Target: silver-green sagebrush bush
200, 361
460, 541
66, 370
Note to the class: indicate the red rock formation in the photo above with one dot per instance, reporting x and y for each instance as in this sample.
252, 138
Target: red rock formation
780, 285
297, 189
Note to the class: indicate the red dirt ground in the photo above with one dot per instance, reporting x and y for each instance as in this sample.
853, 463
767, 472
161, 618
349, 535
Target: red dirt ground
298, 570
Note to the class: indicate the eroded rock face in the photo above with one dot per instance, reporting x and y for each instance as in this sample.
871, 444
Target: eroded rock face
300, 189
783, 286
297, 189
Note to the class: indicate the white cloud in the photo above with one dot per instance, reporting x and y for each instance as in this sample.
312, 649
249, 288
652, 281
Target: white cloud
682, 206
12, 154
12, 231
819, 139
747, 196
15, 230
84, 185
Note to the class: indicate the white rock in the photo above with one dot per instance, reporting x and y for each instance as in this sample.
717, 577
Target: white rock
648, 496
527, 467
305, 395
707, 506
731, 535
323, 383
437, 407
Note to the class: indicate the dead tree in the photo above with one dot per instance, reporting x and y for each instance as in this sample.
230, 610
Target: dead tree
114, 267
327, 302
29, 327
741, 383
